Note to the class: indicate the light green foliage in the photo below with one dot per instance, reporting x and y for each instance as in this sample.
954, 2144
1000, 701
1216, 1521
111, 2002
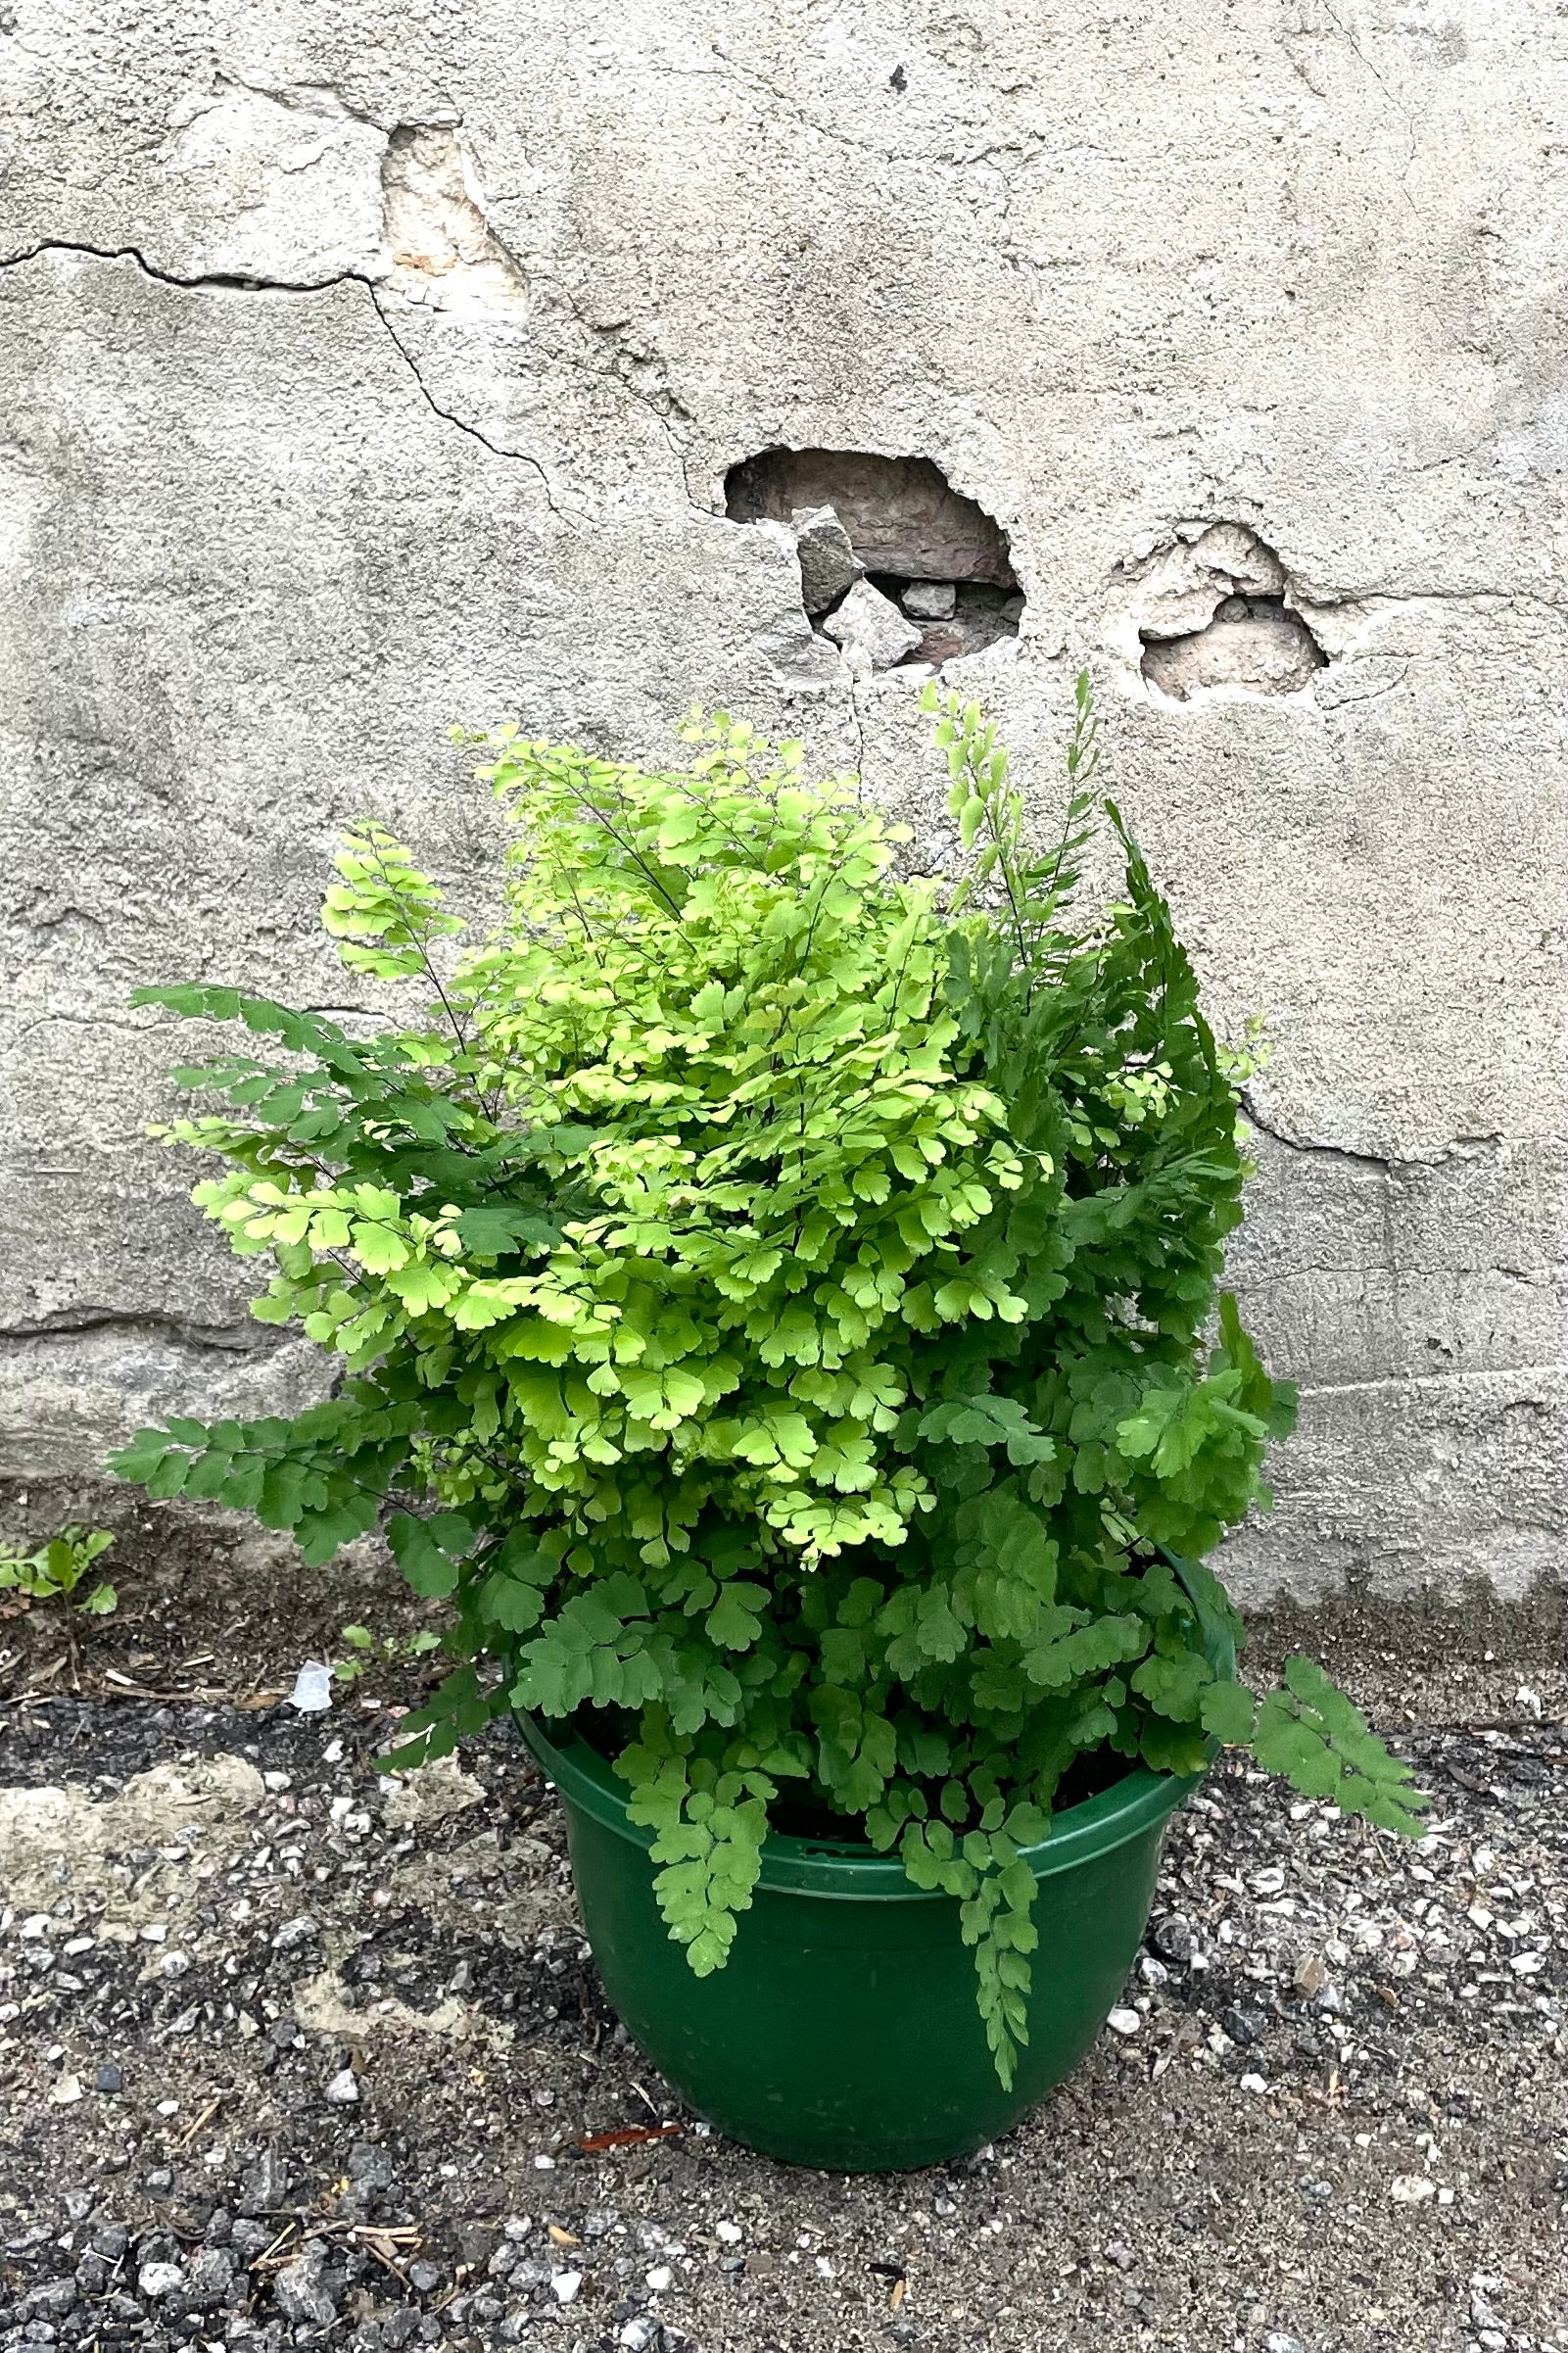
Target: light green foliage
56, 1570
790, 1300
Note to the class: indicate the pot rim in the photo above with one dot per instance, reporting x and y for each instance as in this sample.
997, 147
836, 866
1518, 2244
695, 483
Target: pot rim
848, 1872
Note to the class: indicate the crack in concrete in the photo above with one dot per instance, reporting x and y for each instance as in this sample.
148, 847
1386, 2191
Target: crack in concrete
1538, 1278
1388, 1164
237, 282
613, 337
230, 1339
1450, 1377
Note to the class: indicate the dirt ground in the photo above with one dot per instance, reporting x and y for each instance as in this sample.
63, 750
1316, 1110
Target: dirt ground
293, 2054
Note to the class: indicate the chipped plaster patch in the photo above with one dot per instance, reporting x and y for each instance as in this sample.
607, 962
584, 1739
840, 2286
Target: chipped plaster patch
442, 252
1212, 614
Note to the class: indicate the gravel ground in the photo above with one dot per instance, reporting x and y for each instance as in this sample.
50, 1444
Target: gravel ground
295, 2055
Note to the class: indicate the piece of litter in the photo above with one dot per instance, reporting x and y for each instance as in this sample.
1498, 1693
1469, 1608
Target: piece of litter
312, 1688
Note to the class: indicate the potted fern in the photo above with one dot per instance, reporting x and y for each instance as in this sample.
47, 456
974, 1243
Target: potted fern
781, 1299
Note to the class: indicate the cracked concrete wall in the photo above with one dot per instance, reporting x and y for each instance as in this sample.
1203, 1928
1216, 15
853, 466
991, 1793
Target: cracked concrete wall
357, 373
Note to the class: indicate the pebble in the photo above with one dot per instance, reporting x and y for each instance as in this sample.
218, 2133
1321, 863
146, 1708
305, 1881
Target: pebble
1411, 2189
1124, 2022
210, 2279
659, 2280
929, 600
425, 2277
157, 2279
828, 565
564, 2287
264, 2185
1312, 1974
369, 2166
1174, 1937
302, 2294
731, 2233
869, 620
343, 2089
107, 2078
294, 1931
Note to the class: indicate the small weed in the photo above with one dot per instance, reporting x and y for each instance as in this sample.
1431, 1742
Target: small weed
57, 1568
387, 1650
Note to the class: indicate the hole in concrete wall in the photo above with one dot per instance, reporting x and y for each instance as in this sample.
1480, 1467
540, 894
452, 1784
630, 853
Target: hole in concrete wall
896, 567
1255, 645
441, 248
1212, 615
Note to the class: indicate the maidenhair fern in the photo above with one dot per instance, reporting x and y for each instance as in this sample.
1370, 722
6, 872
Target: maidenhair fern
782, 1298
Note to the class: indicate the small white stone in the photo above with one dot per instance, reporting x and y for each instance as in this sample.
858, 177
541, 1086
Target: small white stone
1253, 2083
37, 1924
564, 2287
729, 2232
344, 2089
154, 1933
1124, 2022
159, 2279
66, 2091
544, 2165
1411, 2189
659, 2279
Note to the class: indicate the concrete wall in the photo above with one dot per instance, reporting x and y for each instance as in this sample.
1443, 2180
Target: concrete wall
363, 368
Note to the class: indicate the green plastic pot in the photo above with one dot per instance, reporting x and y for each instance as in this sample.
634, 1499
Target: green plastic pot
842, 2031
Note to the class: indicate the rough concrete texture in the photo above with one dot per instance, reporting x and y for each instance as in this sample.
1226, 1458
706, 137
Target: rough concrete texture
360, 372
